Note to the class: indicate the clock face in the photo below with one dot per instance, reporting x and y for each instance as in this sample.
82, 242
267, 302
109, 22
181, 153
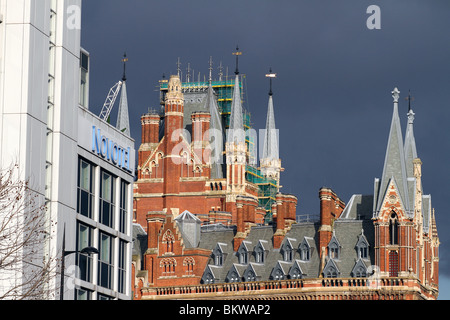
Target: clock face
392, 199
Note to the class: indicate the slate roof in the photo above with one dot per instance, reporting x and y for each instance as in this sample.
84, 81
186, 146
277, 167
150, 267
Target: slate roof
355, 220
394, 164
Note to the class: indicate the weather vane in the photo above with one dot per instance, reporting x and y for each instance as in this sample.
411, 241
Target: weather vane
271, 75
124, 60
237, 54
409, 99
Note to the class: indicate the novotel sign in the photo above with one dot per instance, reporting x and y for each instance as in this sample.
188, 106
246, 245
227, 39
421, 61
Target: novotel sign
110, 150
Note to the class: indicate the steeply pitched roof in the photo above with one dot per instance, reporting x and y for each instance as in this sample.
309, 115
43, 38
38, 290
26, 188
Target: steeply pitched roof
270, 149
123, 122
394, 163
216, 136
236, 131
410, 150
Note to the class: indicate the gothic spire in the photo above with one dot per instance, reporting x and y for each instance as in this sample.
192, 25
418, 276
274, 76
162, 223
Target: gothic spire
270, 150
216, 130
236, 131
410, 150
394, 163
123, 122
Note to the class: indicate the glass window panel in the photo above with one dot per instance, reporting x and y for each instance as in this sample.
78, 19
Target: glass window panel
106, 186
105, 248
85, 176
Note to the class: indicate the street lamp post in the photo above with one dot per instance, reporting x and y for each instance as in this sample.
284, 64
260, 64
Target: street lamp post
87, 250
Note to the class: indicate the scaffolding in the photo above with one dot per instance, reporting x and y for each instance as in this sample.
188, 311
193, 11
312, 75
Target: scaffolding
267, 189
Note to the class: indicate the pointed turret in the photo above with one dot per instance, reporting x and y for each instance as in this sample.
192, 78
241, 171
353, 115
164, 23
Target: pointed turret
236, 131
270, 162
394, 169
123, 122
216, 131
410, 143
236, 148
270, 150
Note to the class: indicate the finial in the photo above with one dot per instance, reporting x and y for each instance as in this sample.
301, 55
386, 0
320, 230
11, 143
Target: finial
220, 71
396, 95
188, 73
178, 66
409, 99
237, 54
411, 113
271, 75
210, 69
124, 60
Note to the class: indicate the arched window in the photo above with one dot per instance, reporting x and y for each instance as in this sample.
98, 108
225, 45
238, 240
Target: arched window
243, 254
288, 252
393, 229
218, 259
209, 278
259, 253
305, 251
251, 276
278, 274
360, 272
189, 265
330, 272
233, 277
168, 240
334, 250
168, 266
295, 273
243, 257
362, 250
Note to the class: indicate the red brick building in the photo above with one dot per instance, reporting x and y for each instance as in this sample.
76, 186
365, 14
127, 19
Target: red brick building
200, 234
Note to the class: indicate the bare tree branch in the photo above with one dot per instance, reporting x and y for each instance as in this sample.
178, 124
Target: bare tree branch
26, 267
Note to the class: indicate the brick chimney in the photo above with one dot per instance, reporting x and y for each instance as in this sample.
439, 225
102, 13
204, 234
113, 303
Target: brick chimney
280, 221
240, 232
331, 208
150, 128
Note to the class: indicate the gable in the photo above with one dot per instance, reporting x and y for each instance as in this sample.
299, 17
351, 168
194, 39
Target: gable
392, 201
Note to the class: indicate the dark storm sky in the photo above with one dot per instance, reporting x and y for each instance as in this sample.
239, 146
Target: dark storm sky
332, 96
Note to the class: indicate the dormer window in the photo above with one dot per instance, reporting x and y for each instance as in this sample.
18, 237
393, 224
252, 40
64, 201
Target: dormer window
305, 251
218, 259
362, 247
260, 252
363, 251
334, 251
243, 257
331, 270
287, 251
233, 275
334, 248
218, 255
243, 253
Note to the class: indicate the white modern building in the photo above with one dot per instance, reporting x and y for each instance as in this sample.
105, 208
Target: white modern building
79, 165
